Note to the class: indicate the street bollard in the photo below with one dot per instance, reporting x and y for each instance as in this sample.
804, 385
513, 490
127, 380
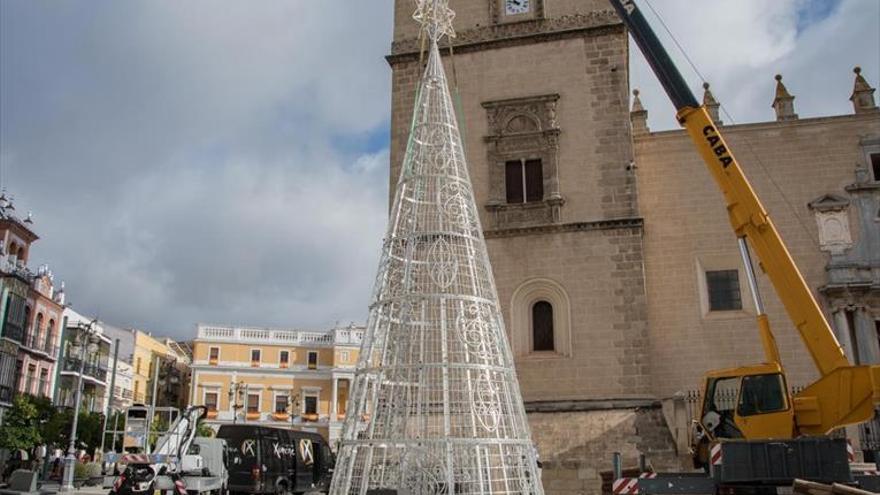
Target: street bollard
643, 464
616, 466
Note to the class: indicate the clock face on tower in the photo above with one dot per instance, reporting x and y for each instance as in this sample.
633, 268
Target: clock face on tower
512, 7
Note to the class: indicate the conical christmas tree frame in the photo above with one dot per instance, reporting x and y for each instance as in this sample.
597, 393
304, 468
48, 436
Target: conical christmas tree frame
435, 407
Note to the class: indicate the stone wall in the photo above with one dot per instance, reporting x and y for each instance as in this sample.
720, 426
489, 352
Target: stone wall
576, 448
590, 250
789, 165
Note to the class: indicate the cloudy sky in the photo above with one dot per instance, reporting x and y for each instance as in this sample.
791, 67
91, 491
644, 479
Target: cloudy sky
226, 161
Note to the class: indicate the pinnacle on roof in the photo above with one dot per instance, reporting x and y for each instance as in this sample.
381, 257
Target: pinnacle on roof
711, 104
783, 103
863, 94
638, 115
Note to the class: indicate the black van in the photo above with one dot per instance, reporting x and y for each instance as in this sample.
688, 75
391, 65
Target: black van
275, 460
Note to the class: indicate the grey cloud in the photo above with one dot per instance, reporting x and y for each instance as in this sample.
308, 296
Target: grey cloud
180, 157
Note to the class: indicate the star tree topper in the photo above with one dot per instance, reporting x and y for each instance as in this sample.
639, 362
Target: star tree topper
435, 16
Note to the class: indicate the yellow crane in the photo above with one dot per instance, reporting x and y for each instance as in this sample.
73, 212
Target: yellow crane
844, 394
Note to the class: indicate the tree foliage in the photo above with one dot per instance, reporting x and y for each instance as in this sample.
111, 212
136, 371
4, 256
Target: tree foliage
204, 430
20, 428
34, 420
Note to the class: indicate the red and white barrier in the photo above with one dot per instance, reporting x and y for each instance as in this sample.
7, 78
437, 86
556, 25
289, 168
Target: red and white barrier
625, 486
715, 455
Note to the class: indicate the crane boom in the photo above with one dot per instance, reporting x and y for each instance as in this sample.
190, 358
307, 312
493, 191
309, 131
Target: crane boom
844, 394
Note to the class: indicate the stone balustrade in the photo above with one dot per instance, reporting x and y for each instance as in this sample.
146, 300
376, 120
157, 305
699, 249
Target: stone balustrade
350, 335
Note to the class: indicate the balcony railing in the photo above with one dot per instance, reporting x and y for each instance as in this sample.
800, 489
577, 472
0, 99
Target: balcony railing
337, 336
96, 371
13, 332
39, 343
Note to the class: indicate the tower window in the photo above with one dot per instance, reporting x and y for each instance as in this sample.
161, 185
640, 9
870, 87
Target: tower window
723, 287
524, 181
255, 357
213, 355
542, 327
875, 166
284, 359
313, 360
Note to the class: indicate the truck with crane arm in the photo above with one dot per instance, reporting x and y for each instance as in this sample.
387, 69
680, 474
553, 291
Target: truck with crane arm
180, 462
769, 427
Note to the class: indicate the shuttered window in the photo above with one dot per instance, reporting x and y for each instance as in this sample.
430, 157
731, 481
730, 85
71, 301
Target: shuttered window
524, 181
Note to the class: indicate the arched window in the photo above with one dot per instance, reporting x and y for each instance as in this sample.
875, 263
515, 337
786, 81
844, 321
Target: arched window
27, 319
542, 326
540, 320
50, 335
21, 253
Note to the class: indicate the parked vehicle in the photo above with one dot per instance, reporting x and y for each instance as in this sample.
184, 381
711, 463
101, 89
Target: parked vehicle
274, 460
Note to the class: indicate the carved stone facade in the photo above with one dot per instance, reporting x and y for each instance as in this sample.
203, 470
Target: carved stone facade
523, 129
832, 218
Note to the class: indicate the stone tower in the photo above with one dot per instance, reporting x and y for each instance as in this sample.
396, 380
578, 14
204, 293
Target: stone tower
542, 92
435, 404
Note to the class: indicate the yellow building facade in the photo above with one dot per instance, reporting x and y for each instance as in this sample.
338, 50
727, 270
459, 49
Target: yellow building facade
149, 352
275, 377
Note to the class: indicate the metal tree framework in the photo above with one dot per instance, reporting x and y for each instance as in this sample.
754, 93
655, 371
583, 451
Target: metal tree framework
435, 403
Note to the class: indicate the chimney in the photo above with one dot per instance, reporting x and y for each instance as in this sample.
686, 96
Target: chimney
638, 116
711, 104
784, 102
863, 94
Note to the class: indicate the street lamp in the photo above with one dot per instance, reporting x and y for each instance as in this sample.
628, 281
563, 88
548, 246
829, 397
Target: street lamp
85, 340
293, 404
235, 392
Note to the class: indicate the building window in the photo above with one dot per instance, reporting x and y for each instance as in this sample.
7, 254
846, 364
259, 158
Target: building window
523, 158
44, 383
524, 181
253, 403
877, 329
50, 336
875, 165
281, 403
38, 325
311, 404
542, 326
255, 357
723, 288
211, 401
540, 320
313, 360
344, 356
213, 355
31, 376
138, 366
284, 359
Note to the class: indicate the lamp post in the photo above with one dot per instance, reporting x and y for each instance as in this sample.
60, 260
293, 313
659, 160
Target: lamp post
235, 390
85, 340
293, 403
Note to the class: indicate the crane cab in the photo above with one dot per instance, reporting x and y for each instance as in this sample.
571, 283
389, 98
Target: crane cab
745, 402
